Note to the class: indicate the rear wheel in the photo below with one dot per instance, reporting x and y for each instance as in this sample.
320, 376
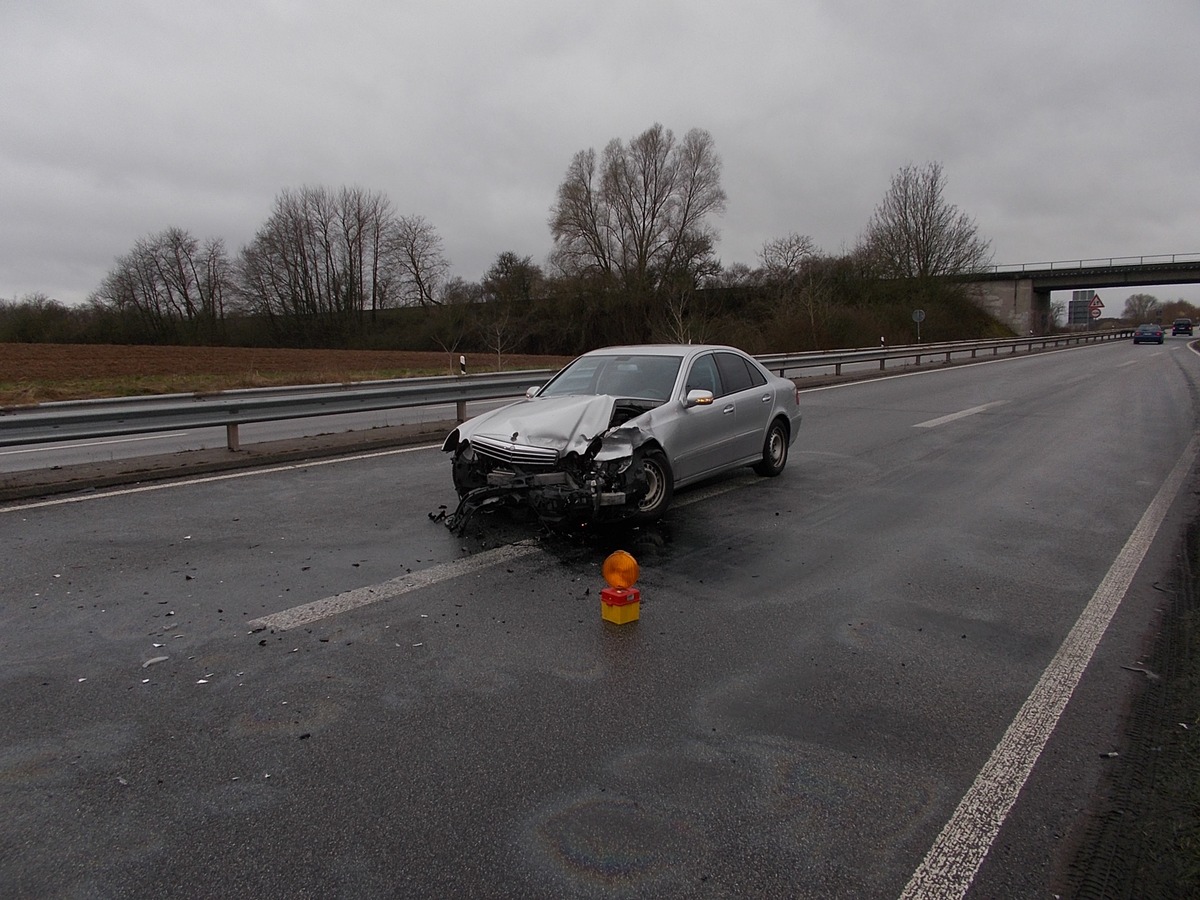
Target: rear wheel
775, 451
660, 486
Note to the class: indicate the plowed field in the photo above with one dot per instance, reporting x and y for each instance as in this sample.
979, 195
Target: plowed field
33, 373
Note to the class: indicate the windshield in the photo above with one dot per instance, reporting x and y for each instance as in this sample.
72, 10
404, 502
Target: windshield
631, 376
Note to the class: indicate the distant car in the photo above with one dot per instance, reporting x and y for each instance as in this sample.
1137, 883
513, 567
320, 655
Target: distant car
612, 435
1148, 334
1182, 326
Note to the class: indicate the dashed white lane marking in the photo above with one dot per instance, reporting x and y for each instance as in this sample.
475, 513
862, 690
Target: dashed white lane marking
962, 414
951, 864
340, 603
244, 473
348, 600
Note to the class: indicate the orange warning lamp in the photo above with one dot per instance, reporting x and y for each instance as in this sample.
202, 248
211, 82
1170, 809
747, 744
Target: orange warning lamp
620, 602
620, 570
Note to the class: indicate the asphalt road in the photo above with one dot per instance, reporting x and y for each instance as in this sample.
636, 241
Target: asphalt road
356, 702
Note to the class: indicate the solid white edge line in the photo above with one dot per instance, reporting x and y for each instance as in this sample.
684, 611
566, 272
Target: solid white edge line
347, 600
959, 850
227, 476
50, 448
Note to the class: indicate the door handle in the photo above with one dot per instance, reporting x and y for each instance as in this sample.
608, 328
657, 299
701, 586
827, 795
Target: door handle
727, 410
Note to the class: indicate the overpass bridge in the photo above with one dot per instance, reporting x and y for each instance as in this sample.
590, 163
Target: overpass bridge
1019, 295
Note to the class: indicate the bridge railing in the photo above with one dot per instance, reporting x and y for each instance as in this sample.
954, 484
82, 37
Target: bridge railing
1112, 262
88, 419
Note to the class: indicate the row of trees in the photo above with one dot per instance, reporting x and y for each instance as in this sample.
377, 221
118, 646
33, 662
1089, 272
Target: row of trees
633, 259
1148, 308
322, 264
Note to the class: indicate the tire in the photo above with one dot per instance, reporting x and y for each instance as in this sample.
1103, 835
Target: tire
661, 487
775, 451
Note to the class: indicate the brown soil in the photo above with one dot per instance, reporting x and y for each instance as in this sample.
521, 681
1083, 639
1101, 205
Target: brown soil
31, 373
75, 361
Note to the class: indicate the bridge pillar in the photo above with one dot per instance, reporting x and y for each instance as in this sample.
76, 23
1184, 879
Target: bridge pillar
1015, 303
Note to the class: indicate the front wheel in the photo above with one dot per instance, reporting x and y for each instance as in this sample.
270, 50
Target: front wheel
775, 451
660, 486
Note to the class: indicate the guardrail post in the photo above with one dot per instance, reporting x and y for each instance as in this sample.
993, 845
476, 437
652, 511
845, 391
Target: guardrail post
460, 411
231, 437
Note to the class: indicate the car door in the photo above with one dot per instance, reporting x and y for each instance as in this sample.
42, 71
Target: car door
704, 435
746, 390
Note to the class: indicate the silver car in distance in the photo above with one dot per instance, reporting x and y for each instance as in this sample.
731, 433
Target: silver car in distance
613, 434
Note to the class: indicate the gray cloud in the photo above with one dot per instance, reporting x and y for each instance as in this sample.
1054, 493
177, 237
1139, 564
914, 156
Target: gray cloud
1067, 129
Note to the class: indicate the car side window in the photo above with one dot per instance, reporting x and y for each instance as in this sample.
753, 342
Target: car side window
703, 376
735, 374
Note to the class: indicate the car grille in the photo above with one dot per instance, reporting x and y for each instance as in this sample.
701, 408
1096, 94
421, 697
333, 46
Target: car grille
515, 454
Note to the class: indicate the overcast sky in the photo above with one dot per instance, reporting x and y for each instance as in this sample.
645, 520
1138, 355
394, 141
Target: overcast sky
1067, 130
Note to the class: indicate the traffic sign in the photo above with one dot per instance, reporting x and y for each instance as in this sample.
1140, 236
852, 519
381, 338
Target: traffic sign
1095, 304
1095, 312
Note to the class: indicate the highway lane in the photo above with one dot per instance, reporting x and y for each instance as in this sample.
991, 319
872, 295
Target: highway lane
825, 661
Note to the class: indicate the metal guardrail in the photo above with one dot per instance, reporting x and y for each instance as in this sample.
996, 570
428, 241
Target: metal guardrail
947, 351
80, 419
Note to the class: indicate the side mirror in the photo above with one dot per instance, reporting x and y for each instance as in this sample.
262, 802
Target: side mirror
698, 398
530, 393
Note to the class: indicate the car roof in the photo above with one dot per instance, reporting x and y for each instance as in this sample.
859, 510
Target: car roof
658, 349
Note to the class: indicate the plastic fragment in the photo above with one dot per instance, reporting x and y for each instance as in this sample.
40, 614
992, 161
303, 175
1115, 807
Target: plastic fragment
202, 681
157, 659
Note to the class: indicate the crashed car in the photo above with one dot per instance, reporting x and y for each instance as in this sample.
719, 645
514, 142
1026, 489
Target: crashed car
612, 435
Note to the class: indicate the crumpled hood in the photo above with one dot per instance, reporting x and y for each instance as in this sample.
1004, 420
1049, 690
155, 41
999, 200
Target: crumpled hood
562, 423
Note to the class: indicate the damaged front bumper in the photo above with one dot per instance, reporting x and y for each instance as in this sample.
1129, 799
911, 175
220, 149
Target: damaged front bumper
588, 488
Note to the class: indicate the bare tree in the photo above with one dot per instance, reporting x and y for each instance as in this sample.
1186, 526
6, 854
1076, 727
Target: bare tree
512, 279
453, 319
916, 233
637, 219
420, 259
783, 258
170, 286
801, 285
1141, 308
497, 328
321, 260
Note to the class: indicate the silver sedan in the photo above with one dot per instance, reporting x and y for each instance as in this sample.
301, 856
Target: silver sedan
614, 433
